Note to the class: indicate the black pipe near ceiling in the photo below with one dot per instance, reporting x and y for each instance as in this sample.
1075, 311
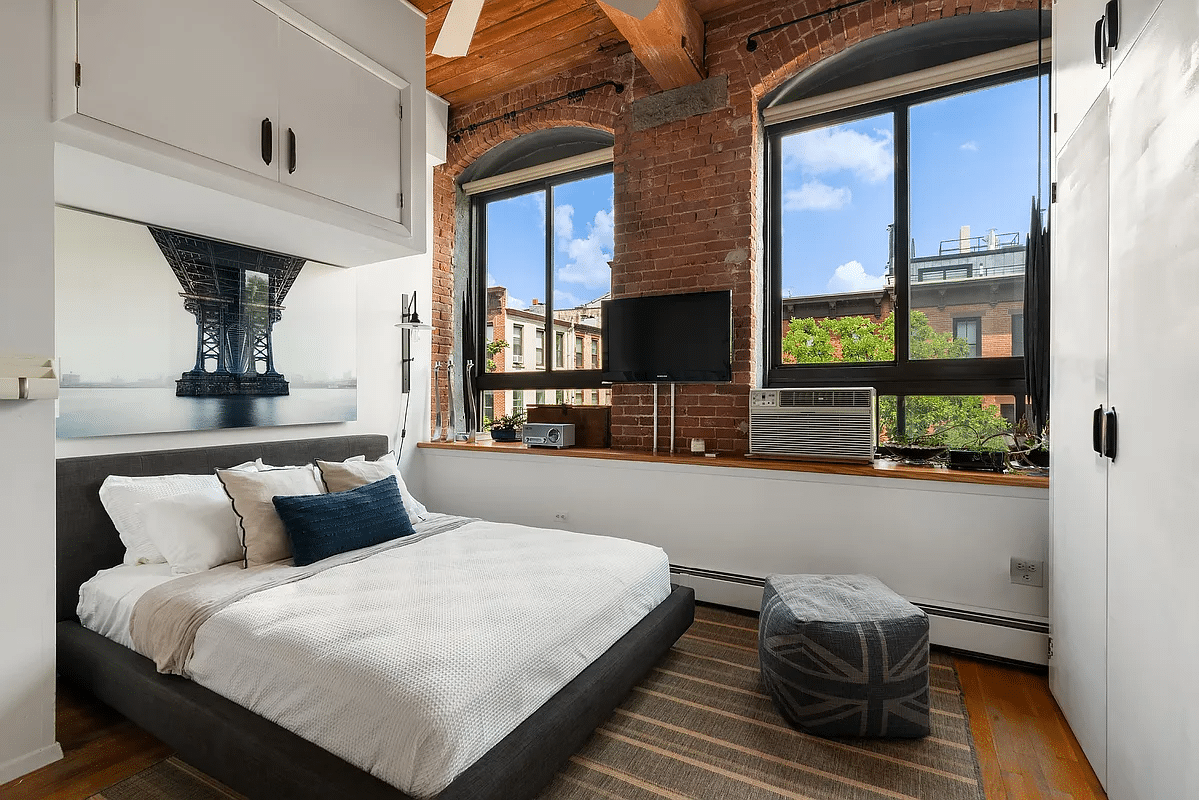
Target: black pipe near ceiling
510, 116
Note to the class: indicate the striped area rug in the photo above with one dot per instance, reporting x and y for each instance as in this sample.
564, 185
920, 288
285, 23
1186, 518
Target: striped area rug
700, 727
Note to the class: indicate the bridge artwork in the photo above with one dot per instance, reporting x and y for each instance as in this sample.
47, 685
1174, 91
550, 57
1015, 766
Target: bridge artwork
236, 295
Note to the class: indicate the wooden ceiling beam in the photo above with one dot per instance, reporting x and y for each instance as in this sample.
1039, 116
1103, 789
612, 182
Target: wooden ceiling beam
514, 73
669, 42
528, 35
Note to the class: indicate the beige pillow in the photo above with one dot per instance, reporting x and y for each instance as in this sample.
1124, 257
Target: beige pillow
341, 476
263, 537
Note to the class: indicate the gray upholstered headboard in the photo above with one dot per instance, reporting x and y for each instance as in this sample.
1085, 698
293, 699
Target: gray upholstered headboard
87, 541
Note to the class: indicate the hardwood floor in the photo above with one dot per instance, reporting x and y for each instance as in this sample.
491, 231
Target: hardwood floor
1025, 748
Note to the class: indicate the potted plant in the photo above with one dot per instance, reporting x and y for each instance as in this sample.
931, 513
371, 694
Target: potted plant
505, 428
1031, 448
923, 447
988, 452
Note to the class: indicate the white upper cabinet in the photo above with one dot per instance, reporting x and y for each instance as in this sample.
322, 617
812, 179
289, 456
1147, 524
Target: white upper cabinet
340, 127
199, 76
245, 120
1077, 77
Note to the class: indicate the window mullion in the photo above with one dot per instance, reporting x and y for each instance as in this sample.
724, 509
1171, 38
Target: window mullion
550, 337
774, 315
903, 235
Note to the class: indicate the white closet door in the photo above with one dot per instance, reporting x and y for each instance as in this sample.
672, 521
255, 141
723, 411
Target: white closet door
1154, 367
198, 76
1133, 16
1078, 568
346, 127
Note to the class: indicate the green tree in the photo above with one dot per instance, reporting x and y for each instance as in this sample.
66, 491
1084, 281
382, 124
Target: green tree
492, 349
957, 420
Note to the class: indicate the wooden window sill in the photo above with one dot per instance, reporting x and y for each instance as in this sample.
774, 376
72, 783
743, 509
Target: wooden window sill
880, 468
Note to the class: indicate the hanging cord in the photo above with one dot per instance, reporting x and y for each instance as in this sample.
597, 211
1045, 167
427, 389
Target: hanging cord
403, 428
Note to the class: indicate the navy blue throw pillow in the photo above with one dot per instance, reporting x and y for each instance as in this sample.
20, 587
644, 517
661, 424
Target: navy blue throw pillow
323, 525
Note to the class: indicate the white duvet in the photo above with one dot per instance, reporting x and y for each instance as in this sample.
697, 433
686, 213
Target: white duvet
412, 663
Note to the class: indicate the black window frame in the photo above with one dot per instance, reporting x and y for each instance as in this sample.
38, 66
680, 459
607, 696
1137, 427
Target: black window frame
546, 374
901, 376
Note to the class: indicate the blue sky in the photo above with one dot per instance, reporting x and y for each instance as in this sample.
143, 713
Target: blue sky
582, 225
973, 162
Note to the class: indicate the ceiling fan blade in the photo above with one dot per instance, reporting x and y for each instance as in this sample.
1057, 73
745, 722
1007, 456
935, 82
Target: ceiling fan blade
458, 29
634, 8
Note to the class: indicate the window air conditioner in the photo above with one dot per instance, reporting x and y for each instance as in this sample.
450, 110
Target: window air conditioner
819, 424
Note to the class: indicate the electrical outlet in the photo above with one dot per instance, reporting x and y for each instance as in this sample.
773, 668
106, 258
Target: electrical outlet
560, 516
1027, 572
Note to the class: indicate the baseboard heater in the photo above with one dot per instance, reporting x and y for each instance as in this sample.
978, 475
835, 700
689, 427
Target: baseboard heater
969, 630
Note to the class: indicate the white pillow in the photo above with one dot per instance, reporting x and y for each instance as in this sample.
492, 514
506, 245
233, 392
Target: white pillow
339, 476
195, 532
121, 495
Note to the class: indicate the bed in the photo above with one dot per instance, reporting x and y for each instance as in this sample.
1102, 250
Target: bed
249, 752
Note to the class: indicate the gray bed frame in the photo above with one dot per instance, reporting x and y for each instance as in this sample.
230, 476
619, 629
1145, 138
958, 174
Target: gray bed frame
255, 756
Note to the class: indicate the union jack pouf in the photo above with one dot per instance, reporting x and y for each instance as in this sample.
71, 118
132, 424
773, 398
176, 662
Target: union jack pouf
843, 655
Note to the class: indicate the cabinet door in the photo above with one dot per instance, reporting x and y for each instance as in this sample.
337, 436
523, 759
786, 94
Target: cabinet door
1154, 555
1078, 585
346, 127
1133, 16
199, 76
1077, 79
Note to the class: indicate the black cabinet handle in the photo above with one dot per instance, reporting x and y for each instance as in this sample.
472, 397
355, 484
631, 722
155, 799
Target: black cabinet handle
1100, 43
1109, 434
291, 155
268, 142
1097, 431
1112, 25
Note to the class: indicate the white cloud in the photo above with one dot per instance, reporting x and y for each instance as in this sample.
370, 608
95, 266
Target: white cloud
565, 300
517, 303
839, 148
589, 256
564, 225
816, 196
852, 277
971, 145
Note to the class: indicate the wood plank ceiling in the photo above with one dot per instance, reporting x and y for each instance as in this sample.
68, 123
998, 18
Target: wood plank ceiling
518, 42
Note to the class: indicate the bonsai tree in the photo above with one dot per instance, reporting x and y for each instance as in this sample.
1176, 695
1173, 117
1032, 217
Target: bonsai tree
503, 428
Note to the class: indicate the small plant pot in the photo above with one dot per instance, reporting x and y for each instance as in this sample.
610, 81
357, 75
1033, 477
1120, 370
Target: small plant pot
504, 435
1038, 458
978, 460
912, 452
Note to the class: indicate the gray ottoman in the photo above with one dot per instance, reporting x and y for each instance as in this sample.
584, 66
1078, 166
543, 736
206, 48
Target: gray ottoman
843, 655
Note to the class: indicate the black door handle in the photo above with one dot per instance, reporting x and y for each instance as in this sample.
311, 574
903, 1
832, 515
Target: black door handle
1109, 434
291, 146
1097, 431
1112, 25
1100, 43
268, 142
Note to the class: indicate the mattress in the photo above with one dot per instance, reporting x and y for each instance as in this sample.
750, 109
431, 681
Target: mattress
106, 600
413, 662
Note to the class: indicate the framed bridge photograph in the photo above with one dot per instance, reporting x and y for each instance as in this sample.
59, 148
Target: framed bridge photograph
160, 330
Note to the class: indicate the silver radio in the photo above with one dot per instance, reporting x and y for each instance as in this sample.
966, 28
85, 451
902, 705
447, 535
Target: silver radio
549, 434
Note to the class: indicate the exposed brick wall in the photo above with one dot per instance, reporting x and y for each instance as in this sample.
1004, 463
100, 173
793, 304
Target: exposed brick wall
688, 193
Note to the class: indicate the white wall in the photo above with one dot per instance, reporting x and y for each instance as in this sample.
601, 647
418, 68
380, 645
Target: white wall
946, 543
26, 427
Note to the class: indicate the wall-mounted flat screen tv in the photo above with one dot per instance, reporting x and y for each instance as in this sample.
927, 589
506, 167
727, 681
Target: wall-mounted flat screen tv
672, 338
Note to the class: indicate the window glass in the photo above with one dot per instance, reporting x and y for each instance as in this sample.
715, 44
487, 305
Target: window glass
1017, 334
515, 263
518, 344
595, 352
583, 246
595, 398
973, 168
540, 347
837, 220
488, 408
559, 347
